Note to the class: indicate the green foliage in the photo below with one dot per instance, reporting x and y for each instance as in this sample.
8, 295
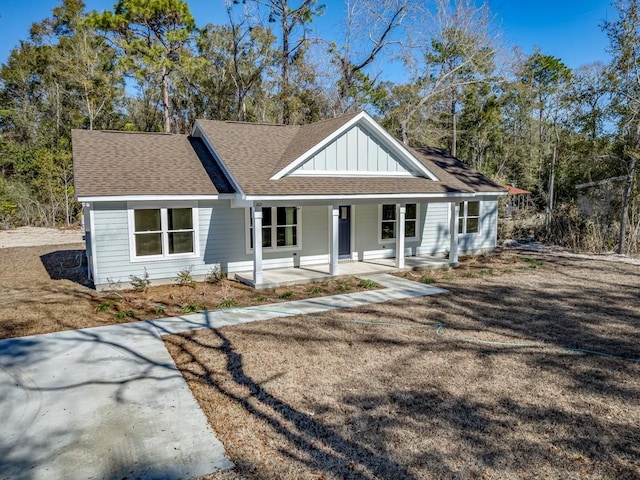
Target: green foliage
315, 290
140, 284
534, 263
344, 286
185, 279
159, 309
366, 283
287, 294
154, 40
229, 303
192, 307
427, 278
486, 271
122, 314
104, 306
214, 276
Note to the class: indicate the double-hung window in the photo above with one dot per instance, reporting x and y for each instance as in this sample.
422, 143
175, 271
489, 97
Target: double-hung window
280, 228
389, 222
164, 232
469, 218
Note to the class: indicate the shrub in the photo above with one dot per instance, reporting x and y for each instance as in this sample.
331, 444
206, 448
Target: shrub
428, 279
185, 279
315, 290
344, 287
215, 275
140, 284
104, 306
192, 307
228, 303
366, 283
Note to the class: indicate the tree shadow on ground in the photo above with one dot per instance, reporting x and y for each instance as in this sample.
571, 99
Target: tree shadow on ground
568, 408
316, 446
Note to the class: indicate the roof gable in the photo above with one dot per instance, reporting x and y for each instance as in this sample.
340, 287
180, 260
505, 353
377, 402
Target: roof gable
356, 148
357, 152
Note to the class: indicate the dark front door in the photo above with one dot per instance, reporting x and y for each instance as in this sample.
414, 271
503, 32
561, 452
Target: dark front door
344, 231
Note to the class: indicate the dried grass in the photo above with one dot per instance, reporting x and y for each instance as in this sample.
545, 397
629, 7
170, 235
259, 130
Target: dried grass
322, 397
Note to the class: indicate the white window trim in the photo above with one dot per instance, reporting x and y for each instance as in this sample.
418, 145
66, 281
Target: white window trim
382, 241
273, 247
464, 217
162, 206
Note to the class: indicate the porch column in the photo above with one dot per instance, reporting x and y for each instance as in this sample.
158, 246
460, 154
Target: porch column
454, 210
401, 211
333, 239
257, 245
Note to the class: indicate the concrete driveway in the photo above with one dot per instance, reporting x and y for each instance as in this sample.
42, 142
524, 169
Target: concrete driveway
109, 402
104, 402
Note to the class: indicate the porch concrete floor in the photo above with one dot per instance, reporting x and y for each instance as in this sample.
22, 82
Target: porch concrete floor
280, 277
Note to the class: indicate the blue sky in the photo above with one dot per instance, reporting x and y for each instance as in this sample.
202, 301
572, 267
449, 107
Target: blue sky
567, 29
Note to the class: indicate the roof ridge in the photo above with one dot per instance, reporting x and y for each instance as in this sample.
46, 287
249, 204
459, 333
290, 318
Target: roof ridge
238, 122
131, 132
330, 119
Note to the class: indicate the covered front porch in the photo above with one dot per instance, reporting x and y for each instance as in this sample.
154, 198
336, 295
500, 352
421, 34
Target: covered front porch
390, 237
279, 277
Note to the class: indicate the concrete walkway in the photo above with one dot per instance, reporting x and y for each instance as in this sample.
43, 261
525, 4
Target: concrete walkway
109, 402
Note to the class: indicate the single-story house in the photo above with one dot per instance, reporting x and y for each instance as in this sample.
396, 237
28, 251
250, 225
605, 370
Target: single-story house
247, 197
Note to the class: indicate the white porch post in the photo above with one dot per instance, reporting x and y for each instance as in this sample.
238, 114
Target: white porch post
257, 245
454, 210
333, 239
401, 211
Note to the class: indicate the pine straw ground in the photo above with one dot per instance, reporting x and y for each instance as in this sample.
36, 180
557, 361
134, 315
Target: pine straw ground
45, 289
340, 395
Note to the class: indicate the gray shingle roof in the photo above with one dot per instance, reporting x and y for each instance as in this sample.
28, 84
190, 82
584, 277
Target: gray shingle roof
128, 163
253, 153
123, 163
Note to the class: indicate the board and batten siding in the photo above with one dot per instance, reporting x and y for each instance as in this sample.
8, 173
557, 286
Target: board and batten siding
356, 150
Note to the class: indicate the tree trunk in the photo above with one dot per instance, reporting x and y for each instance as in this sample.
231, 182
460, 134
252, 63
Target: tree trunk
166, 113
454, 139
551, 186
286, 107
625, 203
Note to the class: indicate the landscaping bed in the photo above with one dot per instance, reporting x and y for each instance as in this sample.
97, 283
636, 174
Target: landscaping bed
45, 289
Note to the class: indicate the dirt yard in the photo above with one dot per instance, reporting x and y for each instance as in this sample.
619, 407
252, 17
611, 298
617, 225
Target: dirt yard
45, 289
530, 368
